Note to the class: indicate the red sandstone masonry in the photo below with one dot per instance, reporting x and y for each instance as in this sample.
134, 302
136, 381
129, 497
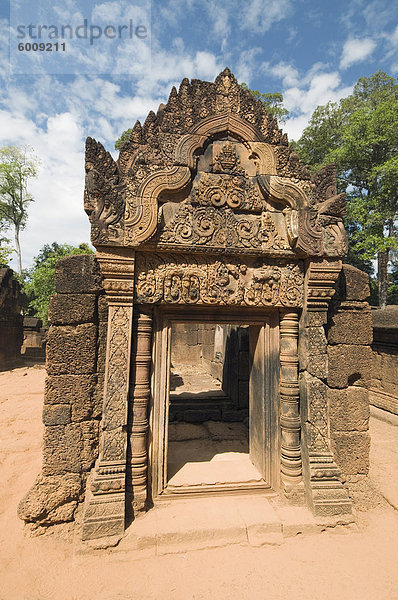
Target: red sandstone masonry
73, 393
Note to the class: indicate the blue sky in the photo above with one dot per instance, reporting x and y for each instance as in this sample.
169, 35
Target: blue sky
311, 51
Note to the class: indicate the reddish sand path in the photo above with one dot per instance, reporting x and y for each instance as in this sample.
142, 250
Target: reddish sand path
341, 565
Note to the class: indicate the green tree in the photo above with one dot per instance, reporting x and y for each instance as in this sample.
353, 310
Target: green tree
360, 134
122, 139
5, 249
273, 102
17, 166
38, 282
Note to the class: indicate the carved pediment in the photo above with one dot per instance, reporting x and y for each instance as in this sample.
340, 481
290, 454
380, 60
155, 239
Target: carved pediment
212, 170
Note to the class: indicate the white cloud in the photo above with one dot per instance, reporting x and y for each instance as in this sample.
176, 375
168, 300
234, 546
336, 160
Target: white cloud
247, 65
356, 50
259, 15
302, 93
56, 118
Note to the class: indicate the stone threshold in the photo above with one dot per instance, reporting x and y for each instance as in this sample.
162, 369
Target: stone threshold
182, 525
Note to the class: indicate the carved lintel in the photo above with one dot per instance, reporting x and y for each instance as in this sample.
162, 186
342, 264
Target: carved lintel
290, 423
186, 279
104, 513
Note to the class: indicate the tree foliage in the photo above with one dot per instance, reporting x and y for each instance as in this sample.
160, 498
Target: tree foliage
122, 139
17, 166
38, 282
273, 102
360, 134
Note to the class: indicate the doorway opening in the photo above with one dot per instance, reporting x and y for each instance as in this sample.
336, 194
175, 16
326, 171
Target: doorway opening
216, 403
208, 433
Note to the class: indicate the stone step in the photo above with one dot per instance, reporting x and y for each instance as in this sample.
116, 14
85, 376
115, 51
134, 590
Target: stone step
182, 525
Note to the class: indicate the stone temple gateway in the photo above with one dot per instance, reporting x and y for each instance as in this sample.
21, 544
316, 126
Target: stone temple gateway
208, 216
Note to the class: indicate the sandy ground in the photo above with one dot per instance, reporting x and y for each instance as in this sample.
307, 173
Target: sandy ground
339, 564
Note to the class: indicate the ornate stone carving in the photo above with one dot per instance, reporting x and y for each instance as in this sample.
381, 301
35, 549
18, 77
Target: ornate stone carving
229, 124
264, 158
290, 396
140, 392
320, 280
326, 182
284, 190
183, 279
142, 210
227, 161
222, 229
326, 493
104, 513
224, 190
103, 195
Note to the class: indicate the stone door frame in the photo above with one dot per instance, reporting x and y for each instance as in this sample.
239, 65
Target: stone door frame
164, 317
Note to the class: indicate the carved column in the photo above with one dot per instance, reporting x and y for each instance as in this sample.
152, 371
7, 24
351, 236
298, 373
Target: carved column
325, 492
138, 418
104, 512
289, 402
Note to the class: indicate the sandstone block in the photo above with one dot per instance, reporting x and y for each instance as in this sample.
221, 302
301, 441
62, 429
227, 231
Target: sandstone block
208, 337
234, 416
67, 309
52, 499
72, 349
98, 397
349, 364
351, 452
351, 327
78, 274
354, 284
56, 414
70, 448
101, 354
102, 308
78, 391
389, 368
349, 409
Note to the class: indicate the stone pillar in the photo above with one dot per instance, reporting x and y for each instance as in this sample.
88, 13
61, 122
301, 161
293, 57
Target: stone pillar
325, 492
289, 402
138, 418
104, 513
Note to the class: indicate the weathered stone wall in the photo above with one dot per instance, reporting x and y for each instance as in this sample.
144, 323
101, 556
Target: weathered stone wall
34, 339
349, 335
335, 362
193, 343
72, 410
384, 384
223, 352
11, 329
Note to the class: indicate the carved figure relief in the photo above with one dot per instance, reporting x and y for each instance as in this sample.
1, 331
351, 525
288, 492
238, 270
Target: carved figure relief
183, 279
